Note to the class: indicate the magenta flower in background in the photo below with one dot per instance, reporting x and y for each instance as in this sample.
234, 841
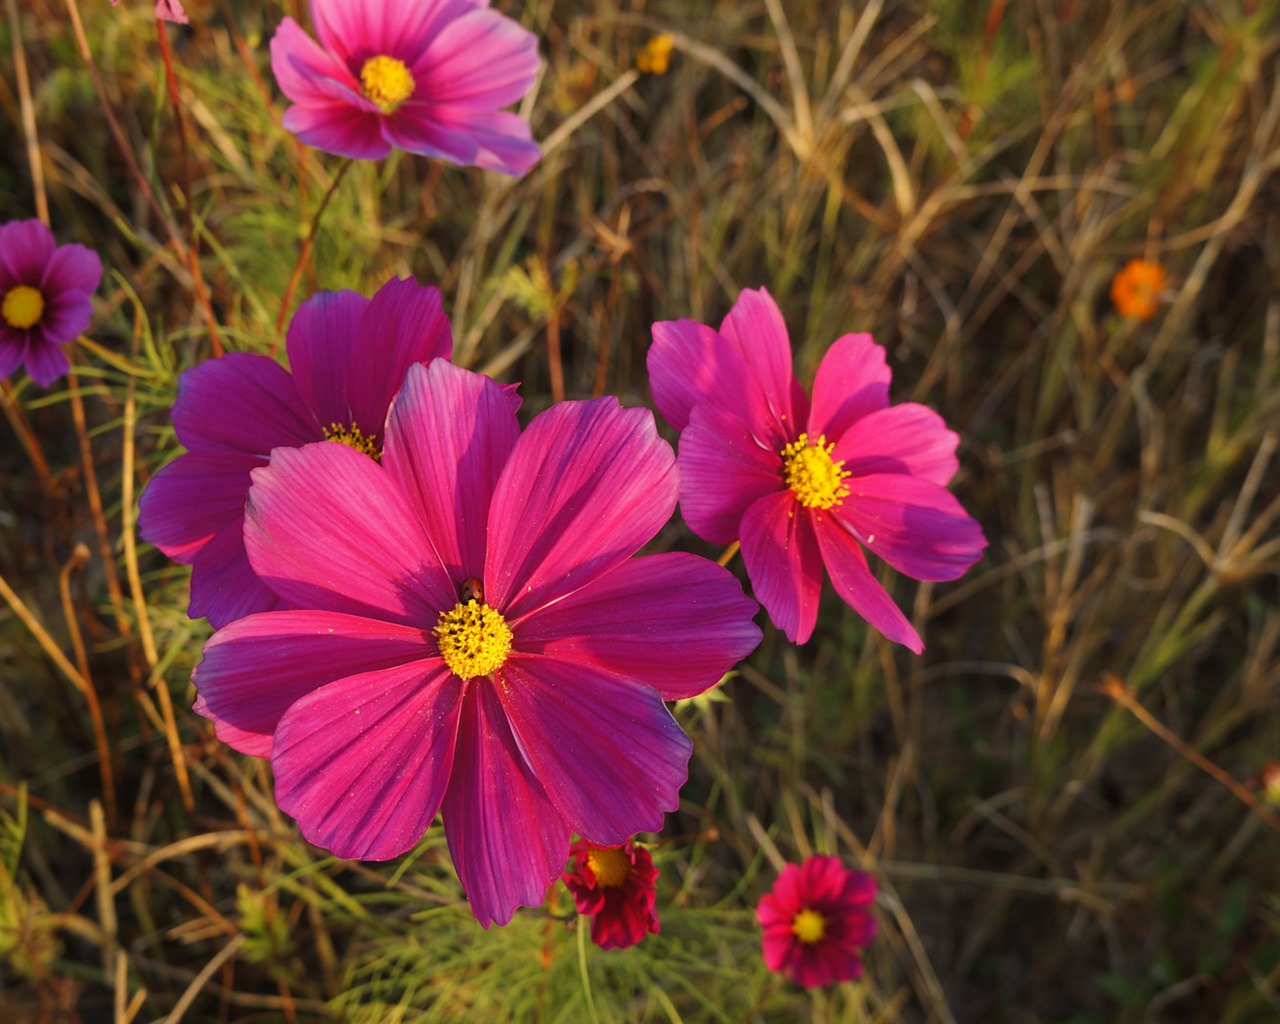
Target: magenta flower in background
349, 355
167, 10
809, 485
44, 298
817, 921
429, 77
477, 638
616, 886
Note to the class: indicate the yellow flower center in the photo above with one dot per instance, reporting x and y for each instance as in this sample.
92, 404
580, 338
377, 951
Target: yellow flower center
610, 865
474, 640
809, 926
386, 82
354, 437
815, 478
23, 307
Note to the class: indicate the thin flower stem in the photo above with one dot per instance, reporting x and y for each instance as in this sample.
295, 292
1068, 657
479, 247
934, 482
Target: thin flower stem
42, 636
554, 365
305, 254
1116, 689
26, 436
729, 552
582, 967
28, 113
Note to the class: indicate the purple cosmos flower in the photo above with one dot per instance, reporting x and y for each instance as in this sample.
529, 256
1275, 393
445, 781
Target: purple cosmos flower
430, 77
809, 485
349, 356
44, 298
477, 639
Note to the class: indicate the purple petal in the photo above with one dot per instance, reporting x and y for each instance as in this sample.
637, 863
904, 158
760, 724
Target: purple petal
674, 622
172, 10
480, 61
192, 498
727, 463
300, 65
784, 563
403, 324
46, 362
609, 753
587, 484
255, 669
26, 247
852, 382
72, 268
363, 763
13, 349
860, 590
224, 586
66, 315
494, 140
241, 403
686, 366
339, 128
917, 526
908, 438
449, 434
355, 30
327, 527
507, 840
326, 345
756, 327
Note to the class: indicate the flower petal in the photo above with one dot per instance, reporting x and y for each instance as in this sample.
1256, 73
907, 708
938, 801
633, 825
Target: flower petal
300, 65
255, 669
675, 622
686, 366
403, 324
852, 382
72, 268
586, 485
355, 30
327, 527
480, 61
495, 140
339, 128
192, 498
26, 247
449, 434
13, 349
363, 763
326, 345
756, 327
784, 563
907, 438
917, 526
66, 315
46, 362
507, 840
726, 465
241, 403
609, 753
224, 586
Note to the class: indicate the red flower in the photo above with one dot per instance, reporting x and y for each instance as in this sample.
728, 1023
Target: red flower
1137, 288
816, 921
616, 887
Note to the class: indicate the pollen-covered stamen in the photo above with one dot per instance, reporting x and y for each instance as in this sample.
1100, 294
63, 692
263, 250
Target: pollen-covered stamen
815, 478
386, 82
474, 640
610, 865
353, 437
809, 926
23, 307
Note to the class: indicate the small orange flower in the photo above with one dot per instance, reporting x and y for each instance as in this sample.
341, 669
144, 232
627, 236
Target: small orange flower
1136, 289
656, 55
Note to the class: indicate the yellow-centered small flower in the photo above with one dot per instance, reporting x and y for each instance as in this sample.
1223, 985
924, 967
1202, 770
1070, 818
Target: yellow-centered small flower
610, 865
656, 55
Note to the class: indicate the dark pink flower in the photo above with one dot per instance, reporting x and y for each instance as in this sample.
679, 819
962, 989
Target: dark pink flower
44, 298
616, 886
168, 10
349, 356
817, 921
429, 77
477, 638
809, 485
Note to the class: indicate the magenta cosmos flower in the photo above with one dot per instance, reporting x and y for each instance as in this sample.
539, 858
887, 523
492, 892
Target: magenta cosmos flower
168, 10
817, 921
427, 76
44, 298
477, 638
349, 356
616, 886
807, 485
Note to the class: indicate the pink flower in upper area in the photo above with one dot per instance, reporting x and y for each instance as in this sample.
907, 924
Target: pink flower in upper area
168, 10
817, 921
44, 298
807, 485
429, 77
349, 356
616, 886
477, 638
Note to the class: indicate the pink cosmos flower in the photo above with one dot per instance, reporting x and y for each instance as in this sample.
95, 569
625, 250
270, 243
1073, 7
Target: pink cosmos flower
807, 485
349, 356
44, 298
429, 77
816, 921
474, 636
617, 887
168, 10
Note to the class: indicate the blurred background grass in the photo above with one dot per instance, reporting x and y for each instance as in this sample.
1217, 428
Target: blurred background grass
961, 178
